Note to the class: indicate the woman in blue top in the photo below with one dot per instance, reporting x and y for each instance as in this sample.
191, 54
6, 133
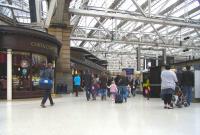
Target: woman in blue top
77, 83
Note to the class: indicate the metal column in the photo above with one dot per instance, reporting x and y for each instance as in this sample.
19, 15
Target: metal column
164, 56
138, 59
9, 74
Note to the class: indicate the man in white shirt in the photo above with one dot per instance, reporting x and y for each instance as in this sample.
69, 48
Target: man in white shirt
168, 85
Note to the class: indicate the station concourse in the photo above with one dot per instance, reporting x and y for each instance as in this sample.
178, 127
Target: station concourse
99, 67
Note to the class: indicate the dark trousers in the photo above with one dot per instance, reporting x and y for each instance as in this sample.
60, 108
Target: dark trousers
76, 89
47, 95
88, 92
133, 91
167, 98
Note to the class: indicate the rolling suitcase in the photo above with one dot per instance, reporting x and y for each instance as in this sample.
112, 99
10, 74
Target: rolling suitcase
118, 98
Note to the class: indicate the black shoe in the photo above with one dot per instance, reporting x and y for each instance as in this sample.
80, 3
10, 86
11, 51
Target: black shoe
52, 104
43, 106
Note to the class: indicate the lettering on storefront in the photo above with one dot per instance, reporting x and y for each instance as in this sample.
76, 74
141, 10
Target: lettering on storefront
42, 45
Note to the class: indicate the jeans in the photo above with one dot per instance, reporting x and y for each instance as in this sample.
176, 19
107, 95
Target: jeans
123, 92
103, 92
187, 90
88, 92
47, 95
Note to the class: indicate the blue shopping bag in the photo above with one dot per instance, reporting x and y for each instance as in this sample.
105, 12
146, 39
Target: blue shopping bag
45, 83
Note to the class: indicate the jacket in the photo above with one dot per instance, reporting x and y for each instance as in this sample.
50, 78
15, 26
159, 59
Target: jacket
188, 78
123, 81
47, 73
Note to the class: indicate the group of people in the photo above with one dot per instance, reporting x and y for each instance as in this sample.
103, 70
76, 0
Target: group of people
104, 86
169, 81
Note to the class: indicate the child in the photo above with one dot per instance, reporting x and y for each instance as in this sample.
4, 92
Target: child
113, 90
146, 88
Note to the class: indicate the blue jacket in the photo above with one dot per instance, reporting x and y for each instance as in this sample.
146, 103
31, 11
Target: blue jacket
77, 80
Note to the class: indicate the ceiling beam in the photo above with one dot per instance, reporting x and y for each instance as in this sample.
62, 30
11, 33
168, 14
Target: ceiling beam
189, 13
13, 7
138, 43
133, 18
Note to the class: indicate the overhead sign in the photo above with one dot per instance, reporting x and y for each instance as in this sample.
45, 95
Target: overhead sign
129, 71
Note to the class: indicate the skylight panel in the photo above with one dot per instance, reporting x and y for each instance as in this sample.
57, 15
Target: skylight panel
126, 5
7, 12
186, 8
75, 3
128, 27
186, 30
107, 3
149, 29
171, 2
87, 21
193, 34
140, 2
92, 23
145, 27
197, 17
88, 45
170, 29
158, 6
97, 3
131, 8
108, 24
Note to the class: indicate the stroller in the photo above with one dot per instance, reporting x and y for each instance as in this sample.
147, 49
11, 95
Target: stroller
178, 98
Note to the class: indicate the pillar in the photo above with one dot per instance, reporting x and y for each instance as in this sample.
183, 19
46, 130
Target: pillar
61, 29
157, 60
9, 74
63, 71
138, 59
164, 56
145, 63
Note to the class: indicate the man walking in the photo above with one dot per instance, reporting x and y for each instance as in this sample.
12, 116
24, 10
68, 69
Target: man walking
188, 83
46, 83
103, 85
87, 80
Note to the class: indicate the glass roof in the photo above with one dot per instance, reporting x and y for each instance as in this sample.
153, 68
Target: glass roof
19, 10
126, 35
117, 36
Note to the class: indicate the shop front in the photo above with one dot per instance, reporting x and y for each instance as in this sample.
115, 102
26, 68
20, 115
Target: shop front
22, 52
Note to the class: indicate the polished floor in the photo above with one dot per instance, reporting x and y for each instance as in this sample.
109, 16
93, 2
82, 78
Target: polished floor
76, 116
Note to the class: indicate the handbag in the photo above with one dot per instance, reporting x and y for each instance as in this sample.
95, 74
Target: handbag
45, 84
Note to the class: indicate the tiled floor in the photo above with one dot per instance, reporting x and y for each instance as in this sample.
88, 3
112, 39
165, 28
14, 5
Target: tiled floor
76, 116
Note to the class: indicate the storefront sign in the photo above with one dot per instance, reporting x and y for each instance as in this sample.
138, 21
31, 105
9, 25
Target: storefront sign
29, 41
43, 46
